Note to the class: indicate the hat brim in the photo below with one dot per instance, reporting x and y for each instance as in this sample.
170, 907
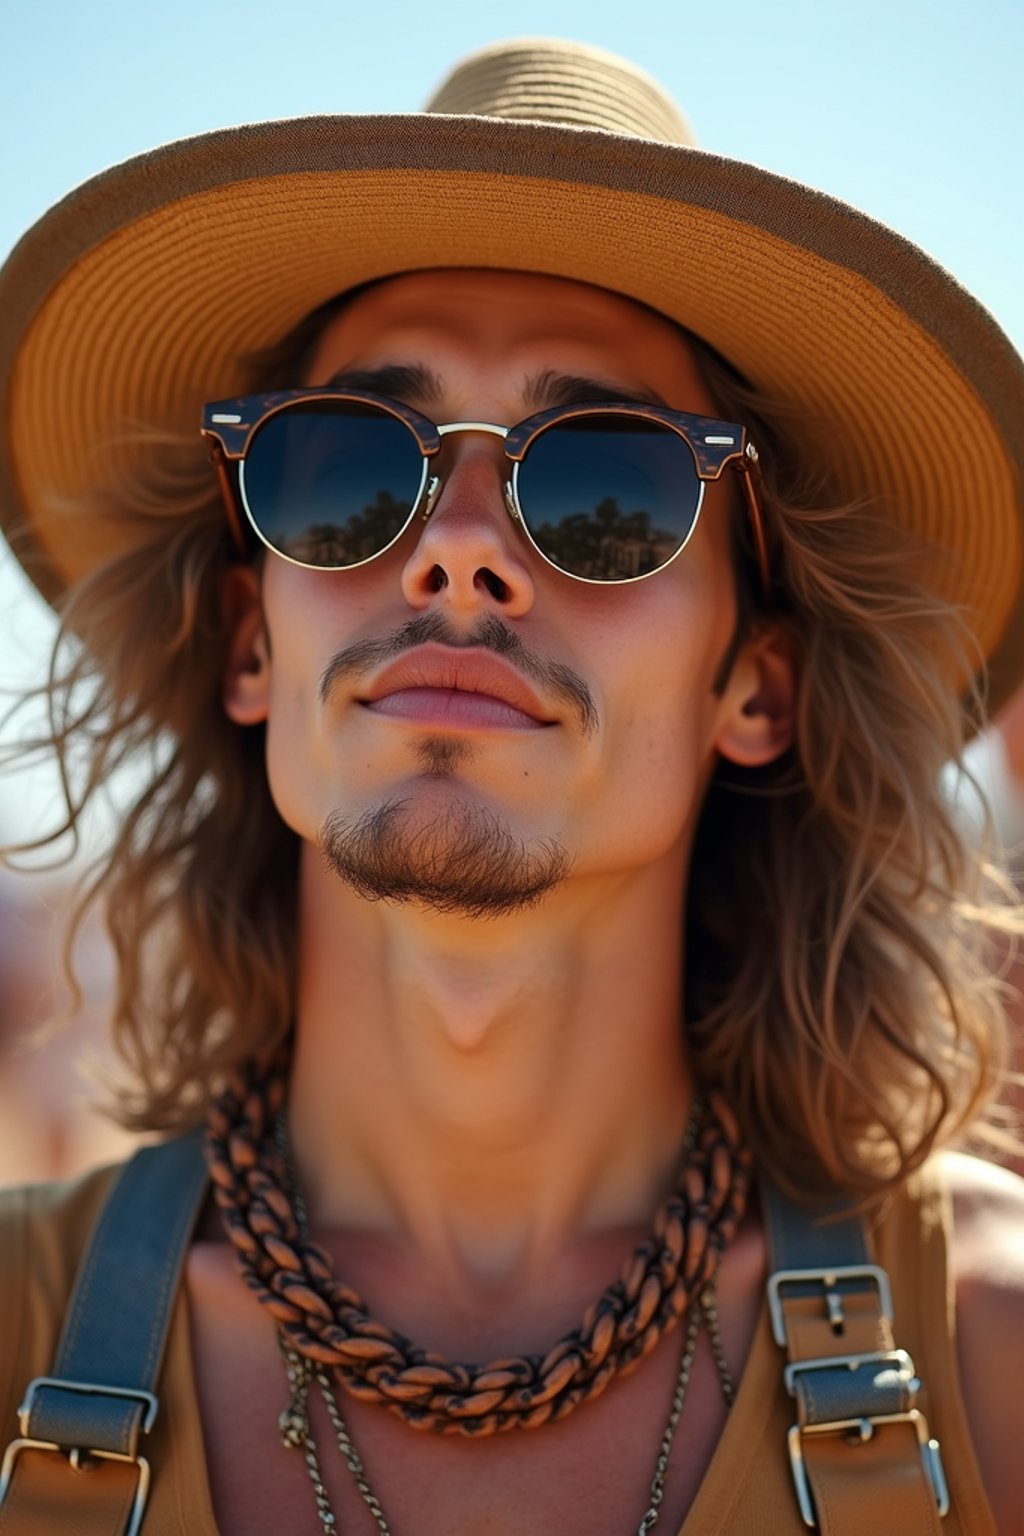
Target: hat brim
135, 299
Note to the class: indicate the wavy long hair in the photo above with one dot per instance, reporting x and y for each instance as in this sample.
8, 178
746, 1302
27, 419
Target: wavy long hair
840, 978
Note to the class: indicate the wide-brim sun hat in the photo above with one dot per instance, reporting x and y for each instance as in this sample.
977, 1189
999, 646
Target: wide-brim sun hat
137, 298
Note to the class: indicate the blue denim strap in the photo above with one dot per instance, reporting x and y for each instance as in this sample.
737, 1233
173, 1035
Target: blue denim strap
117, 1322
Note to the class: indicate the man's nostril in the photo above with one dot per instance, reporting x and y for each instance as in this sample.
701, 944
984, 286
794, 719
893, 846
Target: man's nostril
497, 588
437, 579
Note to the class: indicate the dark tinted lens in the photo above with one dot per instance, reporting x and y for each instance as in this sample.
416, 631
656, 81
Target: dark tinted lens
331, 484
609, 497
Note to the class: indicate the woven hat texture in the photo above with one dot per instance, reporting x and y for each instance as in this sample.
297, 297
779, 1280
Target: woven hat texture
135, 299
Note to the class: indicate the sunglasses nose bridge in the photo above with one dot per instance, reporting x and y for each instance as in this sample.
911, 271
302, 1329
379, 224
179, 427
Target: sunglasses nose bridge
436, 480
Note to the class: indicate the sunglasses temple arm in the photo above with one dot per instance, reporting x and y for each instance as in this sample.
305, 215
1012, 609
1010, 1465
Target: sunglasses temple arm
748, 472
229, 495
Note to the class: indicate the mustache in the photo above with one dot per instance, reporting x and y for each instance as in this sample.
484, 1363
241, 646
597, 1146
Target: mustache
559, 681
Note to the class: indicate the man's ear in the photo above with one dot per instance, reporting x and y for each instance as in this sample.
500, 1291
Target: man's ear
759, 716
246, 690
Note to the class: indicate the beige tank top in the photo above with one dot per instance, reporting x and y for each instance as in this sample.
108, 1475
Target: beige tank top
747, 1490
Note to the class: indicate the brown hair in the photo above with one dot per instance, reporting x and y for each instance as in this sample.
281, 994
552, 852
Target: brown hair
839, 968
844, 934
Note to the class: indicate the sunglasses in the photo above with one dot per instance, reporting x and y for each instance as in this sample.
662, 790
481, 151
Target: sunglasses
331, 479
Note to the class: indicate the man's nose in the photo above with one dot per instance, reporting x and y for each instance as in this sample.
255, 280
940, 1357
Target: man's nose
470, 554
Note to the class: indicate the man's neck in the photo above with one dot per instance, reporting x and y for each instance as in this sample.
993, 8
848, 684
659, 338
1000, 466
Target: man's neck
489, 1093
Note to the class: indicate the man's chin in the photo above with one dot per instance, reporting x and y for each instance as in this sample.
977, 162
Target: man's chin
459, 858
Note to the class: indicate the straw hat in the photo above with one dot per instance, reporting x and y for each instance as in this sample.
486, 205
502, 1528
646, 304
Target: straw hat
133, 298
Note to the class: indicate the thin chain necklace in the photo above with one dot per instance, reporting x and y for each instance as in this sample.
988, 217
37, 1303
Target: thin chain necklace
294, 1424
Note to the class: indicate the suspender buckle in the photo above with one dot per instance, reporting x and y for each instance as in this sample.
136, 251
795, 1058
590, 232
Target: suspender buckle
829, 1280
90, 1389
83, 1457
860, 1431
81, 1461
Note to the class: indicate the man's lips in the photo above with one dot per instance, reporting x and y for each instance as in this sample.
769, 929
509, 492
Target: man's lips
440, 685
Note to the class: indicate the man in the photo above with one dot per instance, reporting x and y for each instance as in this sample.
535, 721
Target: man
544, 826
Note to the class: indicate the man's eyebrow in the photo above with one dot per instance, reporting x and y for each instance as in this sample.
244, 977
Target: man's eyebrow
401, 381
412, 382
551, 388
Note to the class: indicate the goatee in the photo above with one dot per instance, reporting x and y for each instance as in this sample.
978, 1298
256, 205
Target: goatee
465, 861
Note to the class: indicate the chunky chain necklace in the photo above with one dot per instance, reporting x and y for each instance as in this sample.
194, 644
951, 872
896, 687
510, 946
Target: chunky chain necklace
324, 1324
296, 1434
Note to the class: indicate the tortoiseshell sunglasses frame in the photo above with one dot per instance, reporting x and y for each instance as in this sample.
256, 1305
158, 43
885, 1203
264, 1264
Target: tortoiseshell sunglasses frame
230, 425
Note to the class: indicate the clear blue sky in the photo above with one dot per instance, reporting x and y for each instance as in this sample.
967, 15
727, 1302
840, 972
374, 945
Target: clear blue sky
911, 109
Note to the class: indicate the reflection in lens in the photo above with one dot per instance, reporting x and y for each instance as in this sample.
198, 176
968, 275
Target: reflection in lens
332, 484
609, 498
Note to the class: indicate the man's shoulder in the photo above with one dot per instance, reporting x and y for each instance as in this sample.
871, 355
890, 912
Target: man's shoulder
46, 1225
43, 1231
988, 1258
988, 1268
988, 1207
53, 1199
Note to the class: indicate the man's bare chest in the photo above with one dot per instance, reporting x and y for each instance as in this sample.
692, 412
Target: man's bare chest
588, 1476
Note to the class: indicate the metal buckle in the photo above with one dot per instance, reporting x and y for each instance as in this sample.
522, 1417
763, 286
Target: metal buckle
828, 1279
864, 1430
89, 1388
80, 1461
80, 1455
897, 1357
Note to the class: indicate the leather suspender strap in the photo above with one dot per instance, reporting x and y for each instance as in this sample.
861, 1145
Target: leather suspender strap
860, 1450
76, 1465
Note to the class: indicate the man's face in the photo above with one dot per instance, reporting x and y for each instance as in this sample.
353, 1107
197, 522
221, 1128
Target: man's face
582, 749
